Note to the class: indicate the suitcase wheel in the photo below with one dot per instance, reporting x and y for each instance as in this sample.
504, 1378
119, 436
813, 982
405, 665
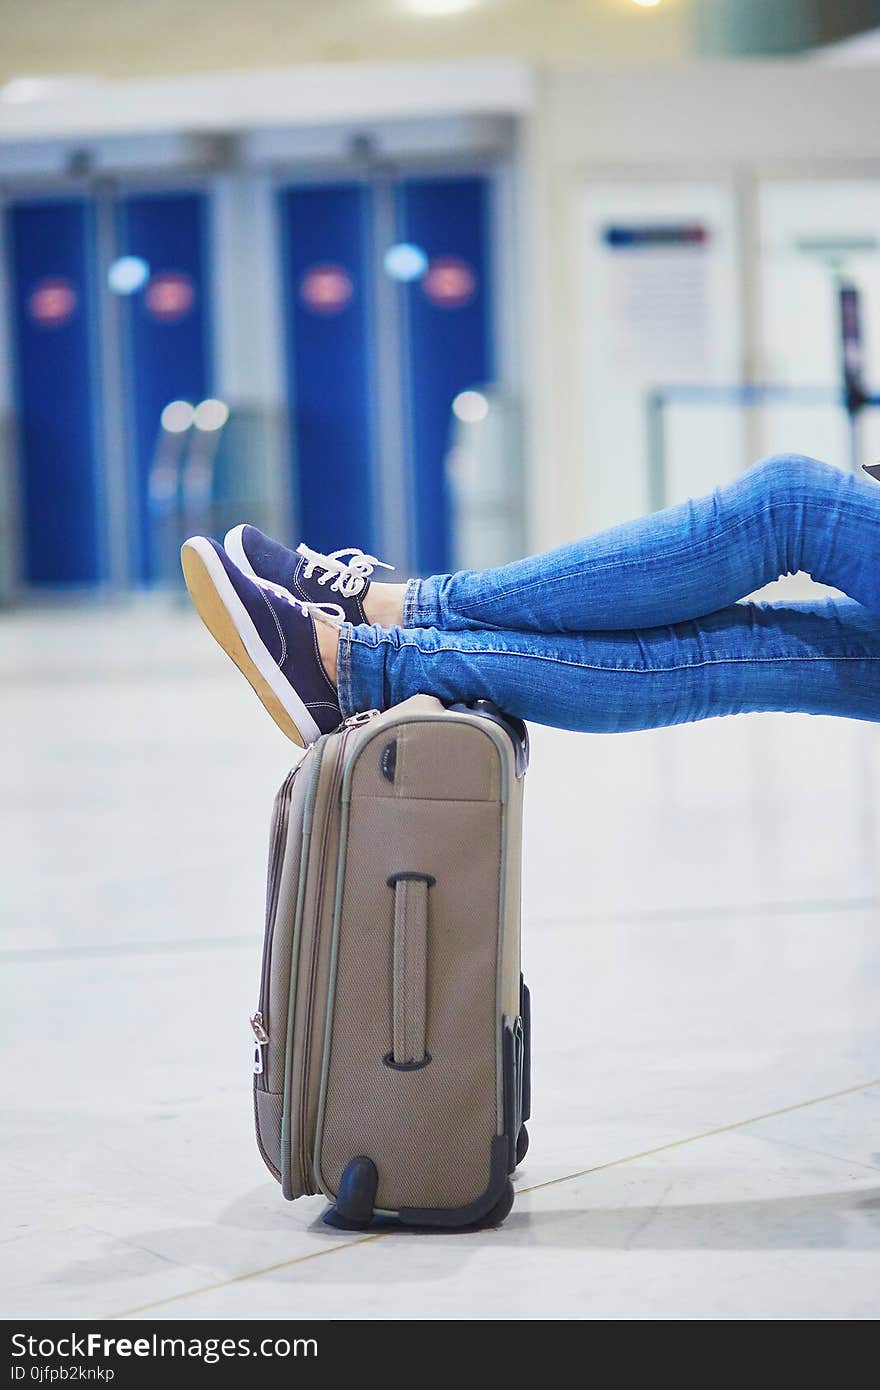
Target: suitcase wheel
501, 1209
356, 1196
522, 1144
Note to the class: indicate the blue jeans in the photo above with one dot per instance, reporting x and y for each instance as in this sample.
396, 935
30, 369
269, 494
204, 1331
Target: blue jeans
641, 625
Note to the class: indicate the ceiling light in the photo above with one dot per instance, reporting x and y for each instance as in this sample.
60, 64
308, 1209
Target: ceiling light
439, 7
471, 407
405, 261
20, 91
24, 89
211, 415
128, 274
177, 417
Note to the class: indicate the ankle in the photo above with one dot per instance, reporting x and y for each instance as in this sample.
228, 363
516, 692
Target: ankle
327, 635
384, 604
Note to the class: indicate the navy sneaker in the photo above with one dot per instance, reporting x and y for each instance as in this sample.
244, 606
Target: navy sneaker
305, 573
270, 636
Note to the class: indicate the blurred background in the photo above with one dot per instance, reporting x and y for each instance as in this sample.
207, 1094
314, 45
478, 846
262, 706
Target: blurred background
444, 279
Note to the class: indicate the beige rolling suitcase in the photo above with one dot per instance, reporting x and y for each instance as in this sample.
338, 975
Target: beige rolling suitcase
391, 1063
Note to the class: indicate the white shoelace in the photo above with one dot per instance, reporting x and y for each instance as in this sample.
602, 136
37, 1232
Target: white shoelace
346, 577
324, 612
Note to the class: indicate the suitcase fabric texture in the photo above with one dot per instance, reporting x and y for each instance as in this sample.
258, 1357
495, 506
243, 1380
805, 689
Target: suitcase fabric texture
391, 1060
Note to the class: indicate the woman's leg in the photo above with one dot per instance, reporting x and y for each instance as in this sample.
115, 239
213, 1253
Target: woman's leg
820, 658
785, 514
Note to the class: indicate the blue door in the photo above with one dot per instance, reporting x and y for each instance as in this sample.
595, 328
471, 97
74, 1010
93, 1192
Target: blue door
167, 324
439, 321
330, 383
448, 338
51, 248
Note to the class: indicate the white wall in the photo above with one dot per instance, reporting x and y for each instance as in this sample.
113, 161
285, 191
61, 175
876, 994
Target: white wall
654, 316
312, 95
732, 124
816, 234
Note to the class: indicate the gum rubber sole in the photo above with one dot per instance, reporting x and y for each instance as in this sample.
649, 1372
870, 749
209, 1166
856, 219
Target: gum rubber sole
213, 612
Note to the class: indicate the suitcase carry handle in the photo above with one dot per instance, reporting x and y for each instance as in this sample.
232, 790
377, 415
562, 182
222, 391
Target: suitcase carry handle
410, 972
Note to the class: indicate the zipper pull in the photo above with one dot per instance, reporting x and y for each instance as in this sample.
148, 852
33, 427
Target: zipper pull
363, 717
261, 1038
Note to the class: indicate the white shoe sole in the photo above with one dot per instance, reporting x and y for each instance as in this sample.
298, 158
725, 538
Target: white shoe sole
228, 621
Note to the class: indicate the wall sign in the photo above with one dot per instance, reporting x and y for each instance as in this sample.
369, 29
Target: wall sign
659, 298
662, 234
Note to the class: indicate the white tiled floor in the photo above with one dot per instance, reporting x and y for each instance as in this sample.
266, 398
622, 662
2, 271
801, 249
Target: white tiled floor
703, 945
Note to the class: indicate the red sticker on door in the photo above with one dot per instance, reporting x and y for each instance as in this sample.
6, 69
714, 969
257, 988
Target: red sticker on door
326, 288
449, 282
52, 302
169, 296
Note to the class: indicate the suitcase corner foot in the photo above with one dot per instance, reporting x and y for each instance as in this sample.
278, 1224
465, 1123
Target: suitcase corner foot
501, 1209
356, 1197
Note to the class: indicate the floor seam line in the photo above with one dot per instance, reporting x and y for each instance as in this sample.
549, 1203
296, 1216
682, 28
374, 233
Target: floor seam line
813, 906
520, 1191
29, 956
674, 915
695, 1138
251, 1274
823, 1153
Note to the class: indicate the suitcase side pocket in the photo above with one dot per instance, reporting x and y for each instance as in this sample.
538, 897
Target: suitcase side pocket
268, 1064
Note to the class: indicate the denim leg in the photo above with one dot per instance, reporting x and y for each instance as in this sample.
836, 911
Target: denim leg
820, 657
784, 514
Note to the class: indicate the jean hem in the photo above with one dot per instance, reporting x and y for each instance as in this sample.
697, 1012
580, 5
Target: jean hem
421, 606
343, 672
411, 603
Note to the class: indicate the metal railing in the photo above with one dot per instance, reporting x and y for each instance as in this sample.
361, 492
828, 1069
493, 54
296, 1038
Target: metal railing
204, 479
747, 397
485, 479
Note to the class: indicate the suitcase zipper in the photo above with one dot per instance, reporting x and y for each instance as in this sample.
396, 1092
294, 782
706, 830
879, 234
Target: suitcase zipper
261, 1038
353, 722
258, 1021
